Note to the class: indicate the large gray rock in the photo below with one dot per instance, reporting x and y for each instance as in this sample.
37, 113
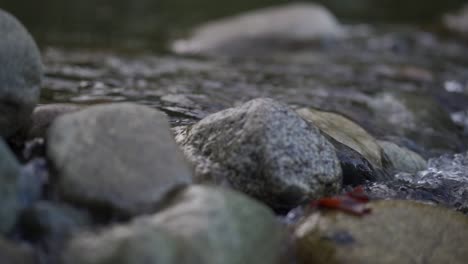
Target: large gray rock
395, 232
121, 157
20, 74
201, 225
9, 191
292, 22
263, 148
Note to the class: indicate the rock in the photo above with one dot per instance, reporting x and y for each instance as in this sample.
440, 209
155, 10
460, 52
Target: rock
356, 169
346, 132
53, 222
288, 23
51, 225
202, 225
359, 154
457, 22
264, 149
44, 115
118, 157
15, 254
20, 74
444, 182
403, 159
395, 232
9, 192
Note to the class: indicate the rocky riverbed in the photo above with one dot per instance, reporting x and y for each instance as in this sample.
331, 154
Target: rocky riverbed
238, 148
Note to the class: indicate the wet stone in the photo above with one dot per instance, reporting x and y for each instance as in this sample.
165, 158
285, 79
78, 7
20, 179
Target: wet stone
49, 226
43, 116
264, 149
117, 157
11, 253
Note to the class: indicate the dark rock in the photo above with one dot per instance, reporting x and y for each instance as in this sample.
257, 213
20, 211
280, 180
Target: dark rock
9, 191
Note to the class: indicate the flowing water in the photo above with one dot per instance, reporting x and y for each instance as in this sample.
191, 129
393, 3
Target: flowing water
404, 83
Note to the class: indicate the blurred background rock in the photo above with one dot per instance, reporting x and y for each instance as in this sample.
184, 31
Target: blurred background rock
151, 23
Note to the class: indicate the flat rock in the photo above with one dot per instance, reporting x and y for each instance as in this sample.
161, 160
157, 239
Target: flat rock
346, 132
201, 225
20, 74
395, 232
9, 191
121, 157
264, 27
264, 149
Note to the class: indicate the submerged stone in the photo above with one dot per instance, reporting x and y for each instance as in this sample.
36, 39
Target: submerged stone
264, 149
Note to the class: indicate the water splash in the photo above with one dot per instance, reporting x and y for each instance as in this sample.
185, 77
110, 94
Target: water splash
444, 182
